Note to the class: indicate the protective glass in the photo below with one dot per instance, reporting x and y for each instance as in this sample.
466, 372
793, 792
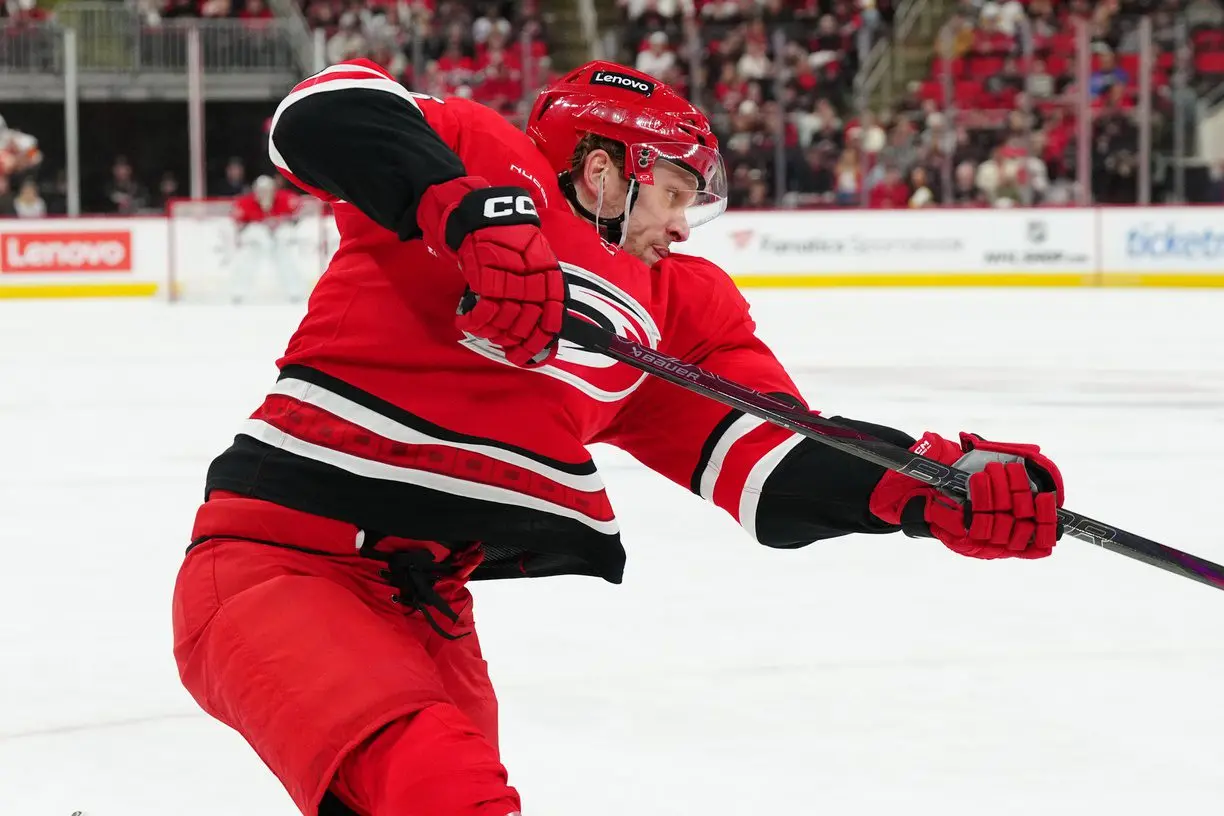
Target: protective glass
706, 195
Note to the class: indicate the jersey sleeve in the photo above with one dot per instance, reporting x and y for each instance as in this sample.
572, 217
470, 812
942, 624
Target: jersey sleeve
351, 133
784, 489
241, 211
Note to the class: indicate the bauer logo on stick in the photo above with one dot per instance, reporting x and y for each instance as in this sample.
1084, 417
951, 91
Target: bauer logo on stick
629, 83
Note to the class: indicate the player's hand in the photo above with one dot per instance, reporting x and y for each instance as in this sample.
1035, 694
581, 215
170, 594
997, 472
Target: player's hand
1012, 511
494, 235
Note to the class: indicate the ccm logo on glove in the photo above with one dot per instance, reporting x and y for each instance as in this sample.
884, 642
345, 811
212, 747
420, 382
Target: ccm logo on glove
502, 206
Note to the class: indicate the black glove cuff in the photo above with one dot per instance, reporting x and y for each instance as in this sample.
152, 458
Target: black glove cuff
913, 518
489, 207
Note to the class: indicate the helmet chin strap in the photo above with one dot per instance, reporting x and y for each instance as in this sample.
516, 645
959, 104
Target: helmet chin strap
611, 230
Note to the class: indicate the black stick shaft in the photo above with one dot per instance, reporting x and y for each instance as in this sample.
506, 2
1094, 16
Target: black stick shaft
942, 477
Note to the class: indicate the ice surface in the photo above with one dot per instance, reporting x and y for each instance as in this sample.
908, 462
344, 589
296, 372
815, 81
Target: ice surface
858, 676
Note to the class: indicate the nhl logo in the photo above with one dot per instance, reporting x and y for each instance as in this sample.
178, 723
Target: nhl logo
1038, 232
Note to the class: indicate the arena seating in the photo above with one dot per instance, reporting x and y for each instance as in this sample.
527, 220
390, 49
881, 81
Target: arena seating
778, 79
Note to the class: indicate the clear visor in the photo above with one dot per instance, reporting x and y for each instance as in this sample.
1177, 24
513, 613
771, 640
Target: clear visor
693, 174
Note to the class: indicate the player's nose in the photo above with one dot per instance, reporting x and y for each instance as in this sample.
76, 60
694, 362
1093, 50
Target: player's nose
678, 229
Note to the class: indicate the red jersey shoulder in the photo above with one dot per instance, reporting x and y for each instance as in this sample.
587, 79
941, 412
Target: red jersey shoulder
698, 301
493, 148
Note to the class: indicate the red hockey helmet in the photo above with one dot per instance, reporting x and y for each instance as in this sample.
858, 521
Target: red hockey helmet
649, 118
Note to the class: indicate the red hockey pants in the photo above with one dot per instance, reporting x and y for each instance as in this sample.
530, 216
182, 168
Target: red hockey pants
300, 648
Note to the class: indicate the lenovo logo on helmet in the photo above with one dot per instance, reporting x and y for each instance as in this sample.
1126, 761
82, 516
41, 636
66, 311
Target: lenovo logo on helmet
629, 83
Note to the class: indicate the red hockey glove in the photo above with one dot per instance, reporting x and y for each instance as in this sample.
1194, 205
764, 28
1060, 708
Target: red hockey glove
494, 235
1014, 496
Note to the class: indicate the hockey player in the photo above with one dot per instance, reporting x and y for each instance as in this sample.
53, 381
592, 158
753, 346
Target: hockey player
264, 220
322, 609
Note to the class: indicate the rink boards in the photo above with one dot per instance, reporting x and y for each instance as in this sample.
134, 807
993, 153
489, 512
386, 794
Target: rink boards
1125, 246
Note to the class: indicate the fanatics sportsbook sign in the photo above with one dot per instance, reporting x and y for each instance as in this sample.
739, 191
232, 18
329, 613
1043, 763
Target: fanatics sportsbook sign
828, 247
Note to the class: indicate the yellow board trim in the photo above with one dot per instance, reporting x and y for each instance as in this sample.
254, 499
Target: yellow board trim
924, 279
1172, 280
77, 290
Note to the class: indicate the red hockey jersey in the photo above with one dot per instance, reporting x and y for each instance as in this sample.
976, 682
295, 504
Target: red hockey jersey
248, 210
388, 417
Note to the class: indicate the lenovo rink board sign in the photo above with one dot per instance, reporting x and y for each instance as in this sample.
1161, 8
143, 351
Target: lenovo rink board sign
72, 257
828, 247
34, 252
1163, 245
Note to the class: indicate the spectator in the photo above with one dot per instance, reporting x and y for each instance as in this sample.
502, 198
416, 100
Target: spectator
992, 177
848, 177
937, 137
923, 195
1006, 83
668, 9
215, 8
870, 135
657, 58
829, 38
1106, 75
173, 9
28, 203
814, 175
234, 184
754, 64
758, 196
1204, 13
7, 209
348, 41
989, 39
965, 191
956, 38
1039, 84
167, 190
256, 10
19, 152
124, 194
1043, 21
1008, 13
891, 192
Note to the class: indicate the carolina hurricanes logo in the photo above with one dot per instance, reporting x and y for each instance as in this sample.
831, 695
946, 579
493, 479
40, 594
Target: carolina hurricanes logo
594, 299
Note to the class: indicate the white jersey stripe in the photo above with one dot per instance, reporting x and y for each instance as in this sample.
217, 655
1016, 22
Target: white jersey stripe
755, 482
376, 82
737, 431
263, 432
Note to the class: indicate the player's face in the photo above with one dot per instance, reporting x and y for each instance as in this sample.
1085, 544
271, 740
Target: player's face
657, 219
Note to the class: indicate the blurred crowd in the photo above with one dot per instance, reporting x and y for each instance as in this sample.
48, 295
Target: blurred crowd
493, 52
993, 122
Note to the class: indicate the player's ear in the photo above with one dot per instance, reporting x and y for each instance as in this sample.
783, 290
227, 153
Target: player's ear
595, 169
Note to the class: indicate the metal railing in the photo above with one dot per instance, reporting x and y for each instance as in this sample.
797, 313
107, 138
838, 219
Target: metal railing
882, 67
116, 39
297, 30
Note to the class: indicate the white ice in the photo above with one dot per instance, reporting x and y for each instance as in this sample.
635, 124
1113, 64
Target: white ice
857, 676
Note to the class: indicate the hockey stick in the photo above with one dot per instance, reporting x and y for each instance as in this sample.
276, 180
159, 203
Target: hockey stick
949, 480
